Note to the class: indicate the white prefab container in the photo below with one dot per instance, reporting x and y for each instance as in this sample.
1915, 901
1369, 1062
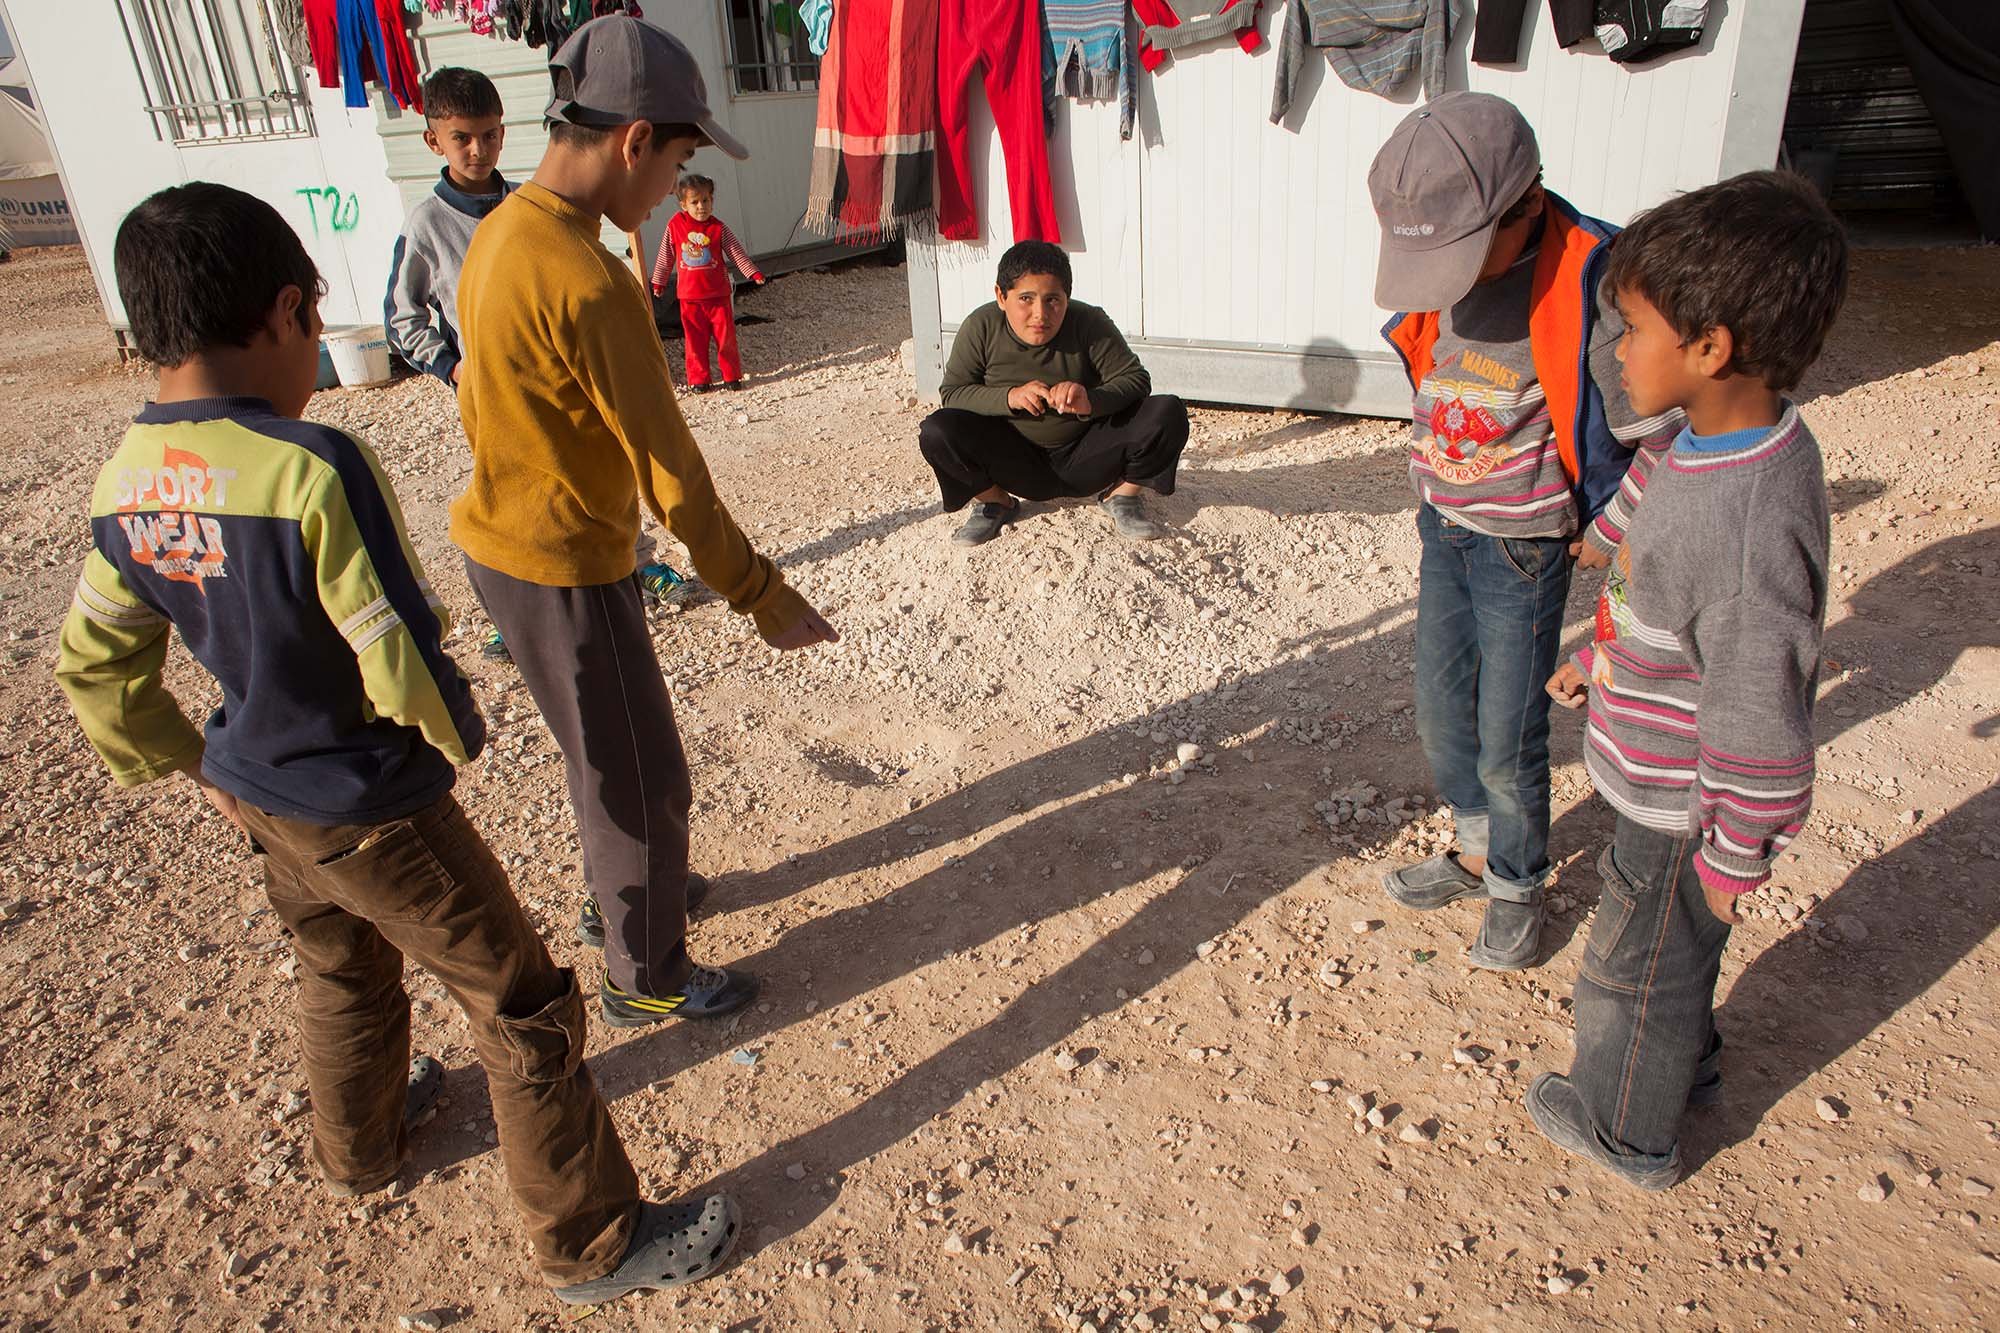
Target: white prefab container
33, 208
1239, 256
321, 166
241, 113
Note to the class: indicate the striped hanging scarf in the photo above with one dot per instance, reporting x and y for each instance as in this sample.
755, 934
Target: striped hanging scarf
875, 143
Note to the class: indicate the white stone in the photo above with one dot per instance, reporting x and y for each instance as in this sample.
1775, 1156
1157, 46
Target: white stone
1066, 1061
1829, 1112
1187, 752
1561, 1284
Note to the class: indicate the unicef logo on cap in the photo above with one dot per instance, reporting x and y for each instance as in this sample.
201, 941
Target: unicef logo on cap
1420, 229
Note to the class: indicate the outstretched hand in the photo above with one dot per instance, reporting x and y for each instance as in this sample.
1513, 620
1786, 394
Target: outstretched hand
810, 628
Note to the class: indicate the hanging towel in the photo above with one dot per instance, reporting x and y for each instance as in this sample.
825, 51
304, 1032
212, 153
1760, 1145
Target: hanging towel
1373, 45
1634, 30
817, 15
875, 139
1086, 55
1496, 31
1166, 31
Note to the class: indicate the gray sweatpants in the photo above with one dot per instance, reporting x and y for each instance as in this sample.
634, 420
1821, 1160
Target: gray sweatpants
588, 661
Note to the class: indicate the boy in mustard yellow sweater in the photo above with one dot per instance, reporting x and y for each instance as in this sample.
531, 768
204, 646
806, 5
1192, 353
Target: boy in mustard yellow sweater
571, 415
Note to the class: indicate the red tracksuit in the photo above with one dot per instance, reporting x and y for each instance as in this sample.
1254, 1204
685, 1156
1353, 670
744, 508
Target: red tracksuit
1005, 36
693, 253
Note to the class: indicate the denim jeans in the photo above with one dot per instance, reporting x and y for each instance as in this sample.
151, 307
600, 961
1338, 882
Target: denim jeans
1645, 995
1489, 627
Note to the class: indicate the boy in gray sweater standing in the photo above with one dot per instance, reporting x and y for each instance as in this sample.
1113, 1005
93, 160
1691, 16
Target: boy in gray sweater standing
1700, 680
462, 124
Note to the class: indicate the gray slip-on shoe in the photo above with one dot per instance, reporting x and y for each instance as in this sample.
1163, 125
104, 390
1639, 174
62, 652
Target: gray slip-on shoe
1510, 935
1128, 519
1557, 1110
672, 1244
1429, 885
983, 524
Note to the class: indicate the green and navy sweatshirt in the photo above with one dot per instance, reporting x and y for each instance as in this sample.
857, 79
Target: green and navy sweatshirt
277, 548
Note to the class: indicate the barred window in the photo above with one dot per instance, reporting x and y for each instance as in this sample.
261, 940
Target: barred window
767, 48
214, 69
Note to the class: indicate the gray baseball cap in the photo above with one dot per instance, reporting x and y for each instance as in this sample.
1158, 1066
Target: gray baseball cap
1440, 184
617, 69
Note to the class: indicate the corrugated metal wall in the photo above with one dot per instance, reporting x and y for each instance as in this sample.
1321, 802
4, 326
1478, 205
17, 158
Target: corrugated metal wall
1857, 123
762, 200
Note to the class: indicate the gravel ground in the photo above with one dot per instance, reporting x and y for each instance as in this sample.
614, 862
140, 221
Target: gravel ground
1081, 1007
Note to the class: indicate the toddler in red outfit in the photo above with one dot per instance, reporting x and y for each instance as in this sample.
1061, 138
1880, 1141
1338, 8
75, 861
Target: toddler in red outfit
693, 253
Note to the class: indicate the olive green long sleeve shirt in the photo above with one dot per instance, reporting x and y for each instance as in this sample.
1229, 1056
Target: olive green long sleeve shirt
987, 361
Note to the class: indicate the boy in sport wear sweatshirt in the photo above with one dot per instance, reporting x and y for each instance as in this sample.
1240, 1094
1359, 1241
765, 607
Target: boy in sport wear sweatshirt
1525, 456
276, 547
1701, 675
695, 256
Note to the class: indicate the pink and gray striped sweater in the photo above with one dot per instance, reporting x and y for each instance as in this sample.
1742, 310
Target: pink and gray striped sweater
1707, 652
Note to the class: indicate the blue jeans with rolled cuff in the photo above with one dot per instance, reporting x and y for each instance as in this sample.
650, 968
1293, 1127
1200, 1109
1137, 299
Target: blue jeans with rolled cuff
1489, 629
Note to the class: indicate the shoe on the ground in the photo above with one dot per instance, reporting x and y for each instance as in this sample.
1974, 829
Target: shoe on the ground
590, 921
983, 524
1557, 1110
420, 1098
661, 582
701, 388
709, 992
736, 384
1510, 935
1429, 885
495, 648
672, 1244
1128, 519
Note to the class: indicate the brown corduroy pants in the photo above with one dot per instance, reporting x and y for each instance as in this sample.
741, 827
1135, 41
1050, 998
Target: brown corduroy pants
358, 900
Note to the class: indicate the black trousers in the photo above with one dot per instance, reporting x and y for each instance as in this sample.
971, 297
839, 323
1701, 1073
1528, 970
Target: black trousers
970, 453
1496, 29
587, 659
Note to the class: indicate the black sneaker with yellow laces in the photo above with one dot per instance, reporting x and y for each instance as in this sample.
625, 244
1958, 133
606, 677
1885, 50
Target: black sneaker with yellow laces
709, 992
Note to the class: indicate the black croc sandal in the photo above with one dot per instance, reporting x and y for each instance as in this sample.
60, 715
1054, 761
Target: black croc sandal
672, 1245
419, 1105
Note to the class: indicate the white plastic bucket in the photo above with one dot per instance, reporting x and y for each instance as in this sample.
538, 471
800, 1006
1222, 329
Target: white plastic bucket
360, 355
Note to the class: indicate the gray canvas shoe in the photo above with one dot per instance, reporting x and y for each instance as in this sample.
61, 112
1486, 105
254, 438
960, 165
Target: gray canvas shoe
1429, 885
1558, 1111
983, 524
1128, 519
1510, 935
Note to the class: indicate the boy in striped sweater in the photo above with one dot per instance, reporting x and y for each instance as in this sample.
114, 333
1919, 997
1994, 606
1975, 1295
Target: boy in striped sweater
1700, 680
